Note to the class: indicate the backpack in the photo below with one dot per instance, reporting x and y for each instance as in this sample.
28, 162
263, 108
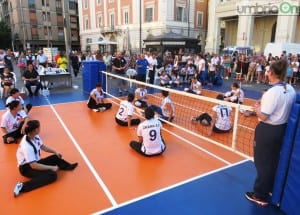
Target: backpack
205, 119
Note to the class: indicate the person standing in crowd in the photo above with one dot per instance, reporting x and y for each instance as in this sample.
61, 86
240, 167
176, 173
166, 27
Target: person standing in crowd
13, 122
74, 62
8, 60
42, 59
41, 171
150, 141
96, 100
22, 63
30, 58
62, 61
2, 64
32, 78
166, 110
152, 67
119, 66
141, 68
272, 111
124, 116
15, 95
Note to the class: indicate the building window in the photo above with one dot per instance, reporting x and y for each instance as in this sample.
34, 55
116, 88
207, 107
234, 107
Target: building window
58, 4
126, 17
73, 5
86, 23
99, 21
199, 19
89, 40
31, 4
60, 20
34, 33
85, 4
149, 14
112, 21
45, 3
181, 14
46, 16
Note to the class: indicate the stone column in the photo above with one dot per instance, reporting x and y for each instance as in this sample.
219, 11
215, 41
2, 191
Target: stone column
286, 28
245, 31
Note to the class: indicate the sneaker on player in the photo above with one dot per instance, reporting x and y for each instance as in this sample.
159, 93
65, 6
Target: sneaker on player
96, 110
251, 197
102, 109
18, 189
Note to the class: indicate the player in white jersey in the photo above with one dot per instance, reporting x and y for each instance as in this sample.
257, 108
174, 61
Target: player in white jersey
15, 95
166, 110
141, 97
13, 122
125, 113
221, 122
150, 141
236, 95
41, 171
96, 100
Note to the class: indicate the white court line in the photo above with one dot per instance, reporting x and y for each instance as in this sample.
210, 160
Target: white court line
90, 166
168, 188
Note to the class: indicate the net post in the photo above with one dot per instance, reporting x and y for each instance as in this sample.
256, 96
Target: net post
235, 127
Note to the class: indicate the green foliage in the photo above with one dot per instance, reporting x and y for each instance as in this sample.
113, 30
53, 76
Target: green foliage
5, 35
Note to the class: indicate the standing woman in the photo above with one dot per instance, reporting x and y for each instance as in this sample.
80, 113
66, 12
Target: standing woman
41, 171
96, 100
273, 112
22, 63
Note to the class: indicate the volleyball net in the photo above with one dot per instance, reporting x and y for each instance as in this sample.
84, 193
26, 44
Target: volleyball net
188, 105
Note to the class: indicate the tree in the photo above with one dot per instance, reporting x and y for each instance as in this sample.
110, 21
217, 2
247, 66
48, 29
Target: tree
5, 35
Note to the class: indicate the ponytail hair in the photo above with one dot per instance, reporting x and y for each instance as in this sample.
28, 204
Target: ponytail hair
13, 104
31, 126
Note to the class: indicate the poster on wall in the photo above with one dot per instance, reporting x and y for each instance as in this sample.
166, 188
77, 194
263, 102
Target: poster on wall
50, 53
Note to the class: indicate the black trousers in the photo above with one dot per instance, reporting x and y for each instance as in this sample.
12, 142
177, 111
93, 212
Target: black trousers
41, 178
28, 85
137, 146
14, 134
123, 123
151, 76
267, 145
93, 105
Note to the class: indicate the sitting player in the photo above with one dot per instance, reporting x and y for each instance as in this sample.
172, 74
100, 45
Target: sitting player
96, 100
141, 97
150, 142
236, 95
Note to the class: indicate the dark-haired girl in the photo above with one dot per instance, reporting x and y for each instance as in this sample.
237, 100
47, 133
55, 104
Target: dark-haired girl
41, 171
13, 122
